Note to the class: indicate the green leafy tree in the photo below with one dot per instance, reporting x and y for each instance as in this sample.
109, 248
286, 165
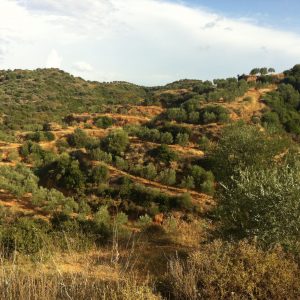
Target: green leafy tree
116, 142
99, 174
263, 71
182, 139
167, 176
263, 203
166, 138
149, 171
244, 146
188, 182
177, 114
164, 154
254, 71
79, 138
271, 70
67, 173
104, 122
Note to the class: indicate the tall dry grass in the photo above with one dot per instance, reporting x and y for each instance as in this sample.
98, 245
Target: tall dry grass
18, 285
51, 274
232, 271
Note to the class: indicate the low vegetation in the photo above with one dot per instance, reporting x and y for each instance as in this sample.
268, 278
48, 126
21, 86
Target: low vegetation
116, 191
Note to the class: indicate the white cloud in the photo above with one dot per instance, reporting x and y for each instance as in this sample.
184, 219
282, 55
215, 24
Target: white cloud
143, 41
82, 66
54, 60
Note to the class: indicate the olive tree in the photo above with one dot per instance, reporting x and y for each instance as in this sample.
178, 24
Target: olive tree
262, 203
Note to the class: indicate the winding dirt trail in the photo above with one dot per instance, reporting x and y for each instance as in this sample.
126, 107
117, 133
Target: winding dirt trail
245, 110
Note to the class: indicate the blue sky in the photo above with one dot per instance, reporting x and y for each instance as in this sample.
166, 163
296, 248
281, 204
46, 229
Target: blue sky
282, 14
149, 42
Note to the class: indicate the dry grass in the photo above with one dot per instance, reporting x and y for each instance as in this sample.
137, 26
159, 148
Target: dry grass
232, 271
69, 274
23, 286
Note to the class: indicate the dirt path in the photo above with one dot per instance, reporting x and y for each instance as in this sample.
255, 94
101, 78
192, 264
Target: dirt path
202, 200
185, 150
245, 110
120, 118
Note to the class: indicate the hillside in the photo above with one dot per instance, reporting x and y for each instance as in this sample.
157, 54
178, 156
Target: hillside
140, 191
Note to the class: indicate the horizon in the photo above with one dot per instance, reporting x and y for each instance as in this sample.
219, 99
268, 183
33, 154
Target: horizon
133, 83
149, 42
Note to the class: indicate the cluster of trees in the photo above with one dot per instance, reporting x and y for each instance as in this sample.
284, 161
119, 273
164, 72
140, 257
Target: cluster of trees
20, 180
40, 136
262, 71
293, 77
190, 113
228, 89
202, 91
285, 106
138, 200
158, 136
32, 152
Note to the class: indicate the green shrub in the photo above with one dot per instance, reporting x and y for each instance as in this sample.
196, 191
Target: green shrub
149, 171
62, 145
176, 114
144, 221
183, 201
188, 182
99, 174
121, 163
116, 142
98, 154
24, 236
104, 122
243, 146
182, 139
204, 180
166, 138
79, 139
164, 154
167, 176
13, 155
262, 203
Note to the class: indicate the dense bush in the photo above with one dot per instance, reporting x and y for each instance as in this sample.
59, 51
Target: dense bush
148, 171
214, 114
104, 122
40, 136
24, 236
204, 180
207, 114
263, 203
98, 154
167, 177
65, 172
285, 105
242, 146
53, 201
164, 154
18, 180
162, 136
293, 77
99, 174
79, 139
116, 142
